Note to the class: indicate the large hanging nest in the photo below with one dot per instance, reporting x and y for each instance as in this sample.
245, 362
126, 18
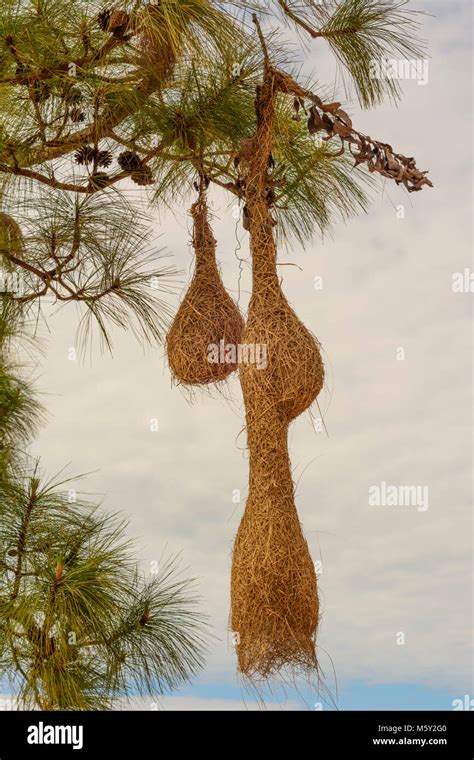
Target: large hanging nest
294, 374
208, 320
274, 594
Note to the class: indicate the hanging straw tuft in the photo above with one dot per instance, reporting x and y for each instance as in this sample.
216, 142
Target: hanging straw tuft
208, 320
275, 604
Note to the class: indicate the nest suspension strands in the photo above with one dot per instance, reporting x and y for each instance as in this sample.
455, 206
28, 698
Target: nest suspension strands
274, 597
208, 319
160, 48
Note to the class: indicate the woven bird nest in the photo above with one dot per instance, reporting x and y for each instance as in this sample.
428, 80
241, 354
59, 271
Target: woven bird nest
295, 372
208, 320
274, 598
275, 606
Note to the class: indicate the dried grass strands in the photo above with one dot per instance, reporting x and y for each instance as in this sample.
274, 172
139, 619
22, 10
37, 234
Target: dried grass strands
275, 604
158, 43
274, 595
207, 314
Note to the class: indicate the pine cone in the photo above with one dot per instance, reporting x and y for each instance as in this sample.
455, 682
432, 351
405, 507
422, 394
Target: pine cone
143, 176
129, 161
114, 21
85, 155
104, 158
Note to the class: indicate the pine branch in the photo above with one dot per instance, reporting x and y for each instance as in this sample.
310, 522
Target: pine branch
82, 63
81, 579
333, 121
179, 29
22, 537
58, 184
361, 32
298, 20
96, 254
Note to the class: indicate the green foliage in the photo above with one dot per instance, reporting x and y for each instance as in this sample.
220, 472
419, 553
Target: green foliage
312, 183
80, 625
316, 184
20, 410
363, 31
64, 73
97, 251
174, 86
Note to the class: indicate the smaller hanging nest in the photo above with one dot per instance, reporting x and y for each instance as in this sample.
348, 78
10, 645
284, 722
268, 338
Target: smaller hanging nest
207, 318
